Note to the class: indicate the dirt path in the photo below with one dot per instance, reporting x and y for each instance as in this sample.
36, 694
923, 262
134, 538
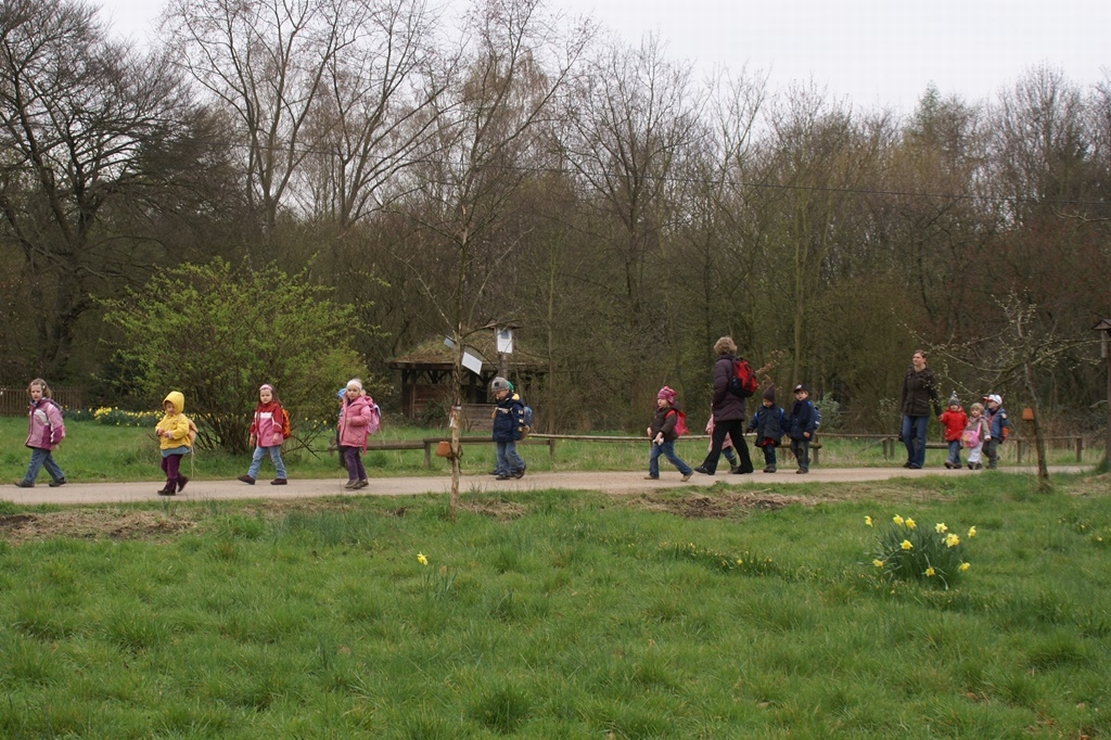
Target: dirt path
609, 482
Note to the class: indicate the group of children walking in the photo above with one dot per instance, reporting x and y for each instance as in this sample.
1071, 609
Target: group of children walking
980, 432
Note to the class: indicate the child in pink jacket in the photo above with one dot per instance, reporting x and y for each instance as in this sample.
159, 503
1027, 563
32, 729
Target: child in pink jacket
45, 431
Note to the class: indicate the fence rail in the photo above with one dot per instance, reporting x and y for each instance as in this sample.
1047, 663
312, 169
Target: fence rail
13, 401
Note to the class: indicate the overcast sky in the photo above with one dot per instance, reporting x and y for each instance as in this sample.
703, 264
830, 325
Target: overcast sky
870, 53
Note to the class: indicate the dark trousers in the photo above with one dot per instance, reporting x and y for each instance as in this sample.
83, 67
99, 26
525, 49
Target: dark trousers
801, 448
735, 428
170, 466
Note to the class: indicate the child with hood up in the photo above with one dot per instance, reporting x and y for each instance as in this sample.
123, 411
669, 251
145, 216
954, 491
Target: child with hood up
175, 438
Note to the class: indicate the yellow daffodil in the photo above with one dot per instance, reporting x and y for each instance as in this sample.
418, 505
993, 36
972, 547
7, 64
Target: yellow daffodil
952, 540
906, 545
867, 521
897, 519
940, 528
911, 524
930, 572
878, 563
972, 532
965, 566
422, 559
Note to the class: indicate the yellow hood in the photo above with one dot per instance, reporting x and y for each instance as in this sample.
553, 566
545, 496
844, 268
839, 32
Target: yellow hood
177, 399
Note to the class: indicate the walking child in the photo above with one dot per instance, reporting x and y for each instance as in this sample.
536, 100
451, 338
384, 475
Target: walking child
663, 431
175, 438
770, 424
354, 418
509, 418
998, 427
726, 444
266, 436
802, 423
45, 431
975, 432
954, 420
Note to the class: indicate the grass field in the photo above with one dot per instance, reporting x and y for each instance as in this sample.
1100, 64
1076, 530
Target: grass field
682, 614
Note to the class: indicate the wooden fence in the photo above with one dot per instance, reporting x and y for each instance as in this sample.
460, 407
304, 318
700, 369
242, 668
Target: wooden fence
13, 401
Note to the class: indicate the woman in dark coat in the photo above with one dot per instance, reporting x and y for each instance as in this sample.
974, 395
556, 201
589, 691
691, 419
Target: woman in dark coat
919, 394
729, 412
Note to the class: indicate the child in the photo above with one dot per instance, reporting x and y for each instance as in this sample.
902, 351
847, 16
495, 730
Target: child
770, 424
174, 440
509, 417
45, 431
998, 426
726, 444
267, 436
663, 435
802, 423
976, 430
954, 420
353, 420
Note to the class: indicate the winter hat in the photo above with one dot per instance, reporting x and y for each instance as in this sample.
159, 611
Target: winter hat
994, 397
801, 387
266, 387
341, 393
355, 384
769, 393
953, 400
667, 394
499, 384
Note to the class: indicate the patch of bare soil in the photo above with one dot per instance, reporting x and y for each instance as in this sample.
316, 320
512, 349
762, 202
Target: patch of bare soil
90, 524
723, 505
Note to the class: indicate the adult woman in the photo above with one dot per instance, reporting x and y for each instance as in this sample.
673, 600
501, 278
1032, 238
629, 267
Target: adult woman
728, 410
919, 394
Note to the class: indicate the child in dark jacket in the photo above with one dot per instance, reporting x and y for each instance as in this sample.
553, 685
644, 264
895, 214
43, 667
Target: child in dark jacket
770, 424
663, 434
954, 420
509, 418
802, 423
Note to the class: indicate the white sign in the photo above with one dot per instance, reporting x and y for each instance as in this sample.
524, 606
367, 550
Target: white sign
505, 341
472, 362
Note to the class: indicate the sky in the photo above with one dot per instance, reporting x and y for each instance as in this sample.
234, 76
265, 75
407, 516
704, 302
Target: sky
870, 54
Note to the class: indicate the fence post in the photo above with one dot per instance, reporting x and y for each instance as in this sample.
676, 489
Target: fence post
1079, 449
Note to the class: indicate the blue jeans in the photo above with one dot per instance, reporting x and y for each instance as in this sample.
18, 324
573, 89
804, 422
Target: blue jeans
275, 457
667, 449
955, 452
41, 458
507, 461
914, 437
769, 455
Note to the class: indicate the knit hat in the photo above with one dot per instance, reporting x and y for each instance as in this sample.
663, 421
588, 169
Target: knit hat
355, 384
499, 384
769, 393
953, 400
266, 387
667, 394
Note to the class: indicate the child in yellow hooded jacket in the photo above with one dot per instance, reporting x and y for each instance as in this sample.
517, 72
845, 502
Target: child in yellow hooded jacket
174, 440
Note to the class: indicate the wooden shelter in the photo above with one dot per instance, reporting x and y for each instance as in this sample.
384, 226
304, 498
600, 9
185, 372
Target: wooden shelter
426, 376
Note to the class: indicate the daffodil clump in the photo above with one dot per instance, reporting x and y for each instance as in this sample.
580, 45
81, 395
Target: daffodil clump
112, 416
906, 550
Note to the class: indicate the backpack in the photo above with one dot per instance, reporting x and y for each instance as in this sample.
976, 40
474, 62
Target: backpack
375, 422
286, 429
743, 382
191, 435
526, 428
680, 423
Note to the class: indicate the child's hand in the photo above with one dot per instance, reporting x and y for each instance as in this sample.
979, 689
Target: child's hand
648, 431
660, 438
806, 435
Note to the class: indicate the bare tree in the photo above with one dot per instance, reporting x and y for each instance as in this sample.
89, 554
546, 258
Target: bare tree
82, 124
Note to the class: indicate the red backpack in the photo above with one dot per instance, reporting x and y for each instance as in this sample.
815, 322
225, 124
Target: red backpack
743, 382
680, 423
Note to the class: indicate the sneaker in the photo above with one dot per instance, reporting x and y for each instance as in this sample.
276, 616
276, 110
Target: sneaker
702, 469
687, 476
971, 466
351, 485
519, 473
24, 484
802, 471
246, 479
979, 466
907, 464
948, 465
493, 472
361, 484
167, 491
769, 469
181, 481
655, 477
56, 483
734, 470
278, 482
502, 476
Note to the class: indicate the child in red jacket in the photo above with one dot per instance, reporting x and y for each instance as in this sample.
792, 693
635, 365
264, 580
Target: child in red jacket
954, 420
